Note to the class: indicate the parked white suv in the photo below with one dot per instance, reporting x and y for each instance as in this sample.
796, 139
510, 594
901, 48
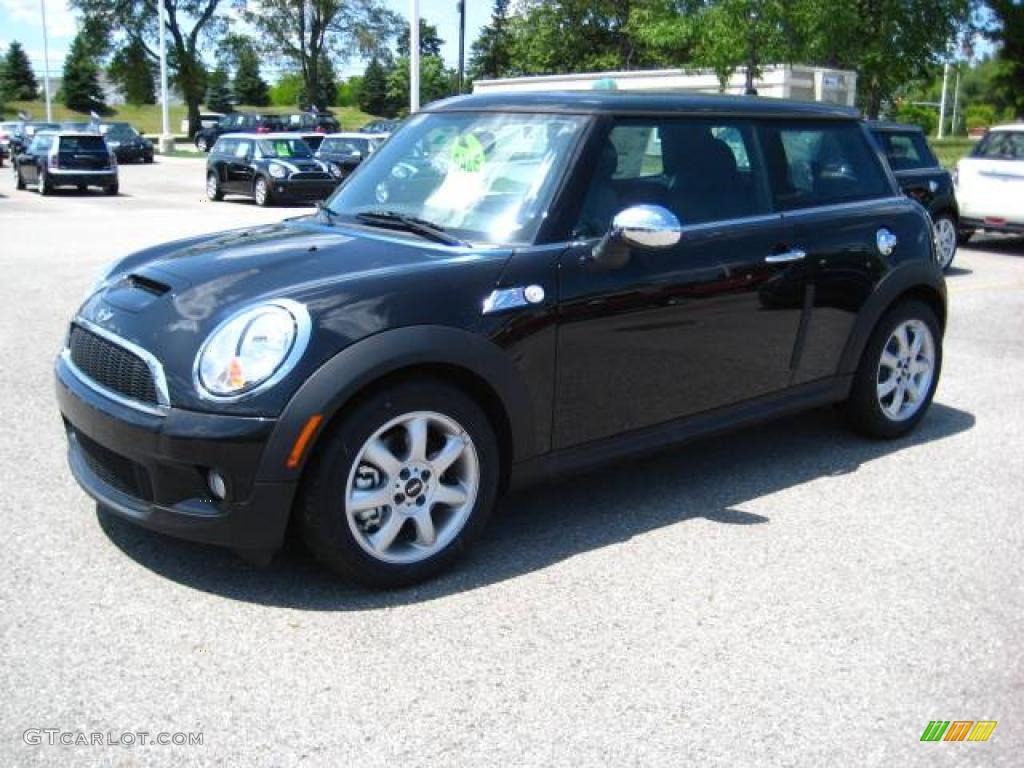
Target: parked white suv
990, 183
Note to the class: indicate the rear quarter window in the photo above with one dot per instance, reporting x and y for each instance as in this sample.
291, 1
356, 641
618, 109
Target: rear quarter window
1001, 145
906, 151
821, 163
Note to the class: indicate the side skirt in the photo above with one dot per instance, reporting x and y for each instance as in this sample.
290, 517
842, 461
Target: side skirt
581, 458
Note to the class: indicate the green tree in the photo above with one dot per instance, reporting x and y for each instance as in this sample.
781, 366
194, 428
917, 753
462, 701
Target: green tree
430, 43
309, 32
491, 54
191, 24
218, 91
326, 87
17, 81
435, 83
287, 90
1008, 32
348, 92
80, 88
249, 86
373, 95
133, 72
735, 34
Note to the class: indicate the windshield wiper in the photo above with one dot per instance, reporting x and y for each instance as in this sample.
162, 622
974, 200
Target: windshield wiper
323, 209
397, 220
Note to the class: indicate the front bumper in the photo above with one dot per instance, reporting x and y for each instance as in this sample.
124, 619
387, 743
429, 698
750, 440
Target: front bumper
132, 153
303, 189
69, 178
152, 469
990, 224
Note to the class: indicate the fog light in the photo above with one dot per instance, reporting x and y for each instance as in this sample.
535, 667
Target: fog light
218, 487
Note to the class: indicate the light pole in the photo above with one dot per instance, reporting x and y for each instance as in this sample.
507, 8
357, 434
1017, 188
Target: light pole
461, 5
166, 140
414, 56
46, 65
942, 103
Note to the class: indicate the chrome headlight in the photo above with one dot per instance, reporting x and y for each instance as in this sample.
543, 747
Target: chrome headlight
278, 171
253, 349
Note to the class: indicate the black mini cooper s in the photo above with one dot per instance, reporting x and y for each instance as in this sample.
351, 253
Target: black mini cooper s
512, 287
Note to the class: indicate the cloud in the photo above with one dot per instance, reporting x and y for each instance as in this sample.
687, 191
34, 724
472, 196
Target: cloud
60, 21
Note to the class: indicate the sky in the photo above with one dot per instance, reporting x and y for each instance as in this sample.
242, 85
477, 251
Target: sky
21, 20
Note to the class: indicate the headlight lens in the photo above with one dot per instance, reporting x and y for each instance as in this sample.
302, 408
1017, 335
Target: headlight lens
278, 171
253, 349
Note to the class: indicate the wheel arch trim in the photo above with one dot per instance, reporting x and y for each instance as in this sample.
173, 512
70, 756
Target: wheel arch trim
347, 374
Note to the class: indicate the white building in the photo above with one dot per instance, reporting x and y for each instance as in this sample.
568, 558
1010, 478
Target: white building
805, 83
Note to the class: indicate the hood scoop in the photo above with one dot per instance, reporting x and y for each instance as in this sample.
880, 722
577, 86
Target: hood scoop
137, 290
148, 284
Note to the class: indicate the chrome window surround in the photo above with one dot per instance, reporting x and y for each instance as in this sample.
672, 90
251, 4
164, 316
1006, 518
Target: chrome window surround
156, 370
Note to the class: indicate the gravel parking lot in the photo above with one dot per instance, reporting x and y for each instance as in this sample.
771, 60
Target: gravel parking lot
787, 595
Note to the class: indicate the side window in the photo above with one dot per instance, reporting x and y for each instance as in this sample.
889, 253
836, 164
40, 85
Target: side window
906, 151
242, 150
702, 170
1002, 145
816, 163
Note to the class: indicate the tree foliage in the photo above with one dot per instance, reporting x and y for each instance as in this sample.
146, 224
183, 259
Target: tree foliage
248, 86
307, 33
286, 92
17, 81
80, 88
491, 54
430, 43
373, 93
218, 91
436, 82
1009, 32
133, 72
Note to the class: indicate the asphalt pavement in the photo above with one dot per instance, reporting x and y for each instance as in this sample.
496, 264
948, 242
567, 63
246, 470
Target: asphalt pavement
788, 595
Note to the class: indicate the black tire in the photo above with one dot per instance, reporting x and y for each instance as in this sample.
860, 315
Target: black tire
147, 159
321, 508
19, 183
44, 183
862, 411
265, 198
83, 187
213, 188
111, 189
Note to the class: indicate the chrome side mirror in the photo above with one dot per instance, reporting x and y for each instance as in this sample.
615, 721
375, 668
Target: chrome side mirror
639, 226
648, 226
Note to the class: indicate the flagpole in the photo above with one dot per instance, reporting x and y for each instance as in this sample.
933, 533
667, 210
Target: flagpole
46, 64
166, 140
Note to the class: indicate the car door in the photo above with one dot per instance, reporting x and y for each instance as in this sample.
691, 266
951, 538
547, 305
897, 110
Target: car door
916, 169
28, 163
240, 165
683, 329
990, 181
834, 193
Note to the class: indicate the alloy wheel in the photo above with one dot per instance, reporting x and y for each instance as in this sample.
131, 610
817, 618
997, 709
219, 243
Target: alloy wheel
412, 487
906, 370
945, 241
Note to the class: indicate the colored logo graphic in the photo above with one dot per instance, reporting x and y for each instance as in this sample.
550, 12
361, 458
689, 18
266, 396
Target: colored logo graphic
958, 730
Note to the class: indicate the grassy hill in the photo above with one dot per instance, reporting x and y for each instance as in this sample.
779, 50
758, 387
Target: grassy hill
147, 117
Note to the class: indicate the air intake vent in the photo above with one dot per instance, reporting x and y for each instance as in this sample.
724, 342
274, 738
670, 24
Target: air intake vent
148, 285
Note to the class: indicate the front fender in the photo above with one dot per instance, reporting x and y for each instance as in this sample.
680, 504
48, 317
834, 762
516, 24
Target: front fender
348, 372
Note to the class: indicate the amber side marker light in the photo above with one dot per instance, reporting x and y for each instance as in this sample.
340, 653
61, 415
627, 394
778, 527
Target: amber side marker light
303, 440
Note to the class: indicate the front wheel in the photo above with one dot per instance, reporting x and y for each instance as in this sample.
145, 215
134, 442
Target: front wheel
261, 192
112, 189
44, 183
213, 189
945, 240
898, 372
402, 485
19, 183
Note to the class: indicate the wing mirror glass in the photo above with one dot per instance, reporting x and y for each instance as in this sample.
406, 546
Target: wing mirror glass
639, 226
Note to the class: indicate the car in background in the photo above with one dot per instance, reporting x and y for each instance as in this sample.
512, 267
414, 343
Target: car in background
922, 178
77, 126
67, 159
990, 183
346, 151
7, 130
127, 143
315, 122
271, 168
314, 140
21, 135
387, 126
237, 122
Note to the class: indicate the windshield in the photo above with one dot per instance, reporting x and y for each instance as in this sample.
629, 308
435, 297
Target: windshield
345, 146
485, 177
118, 132
1001, 145
284, 148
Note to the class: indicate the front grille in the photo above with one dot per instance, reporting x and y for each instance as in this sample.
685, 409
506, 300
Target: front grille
112, 366
310, 175
115, 470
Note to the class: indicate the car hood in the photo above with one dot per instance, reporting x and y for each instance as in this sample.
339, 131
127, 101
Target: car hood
354, 283
297, 164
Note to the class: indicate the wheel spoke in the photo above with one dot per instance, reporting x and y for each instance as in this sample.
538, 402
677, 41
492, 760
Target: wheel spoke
379, 497
886, 387
453, 495
897, 399
902, 340
378, 454
890, 360
915, 347
417, 430
382, 540
448, 455
425, 533
921, 365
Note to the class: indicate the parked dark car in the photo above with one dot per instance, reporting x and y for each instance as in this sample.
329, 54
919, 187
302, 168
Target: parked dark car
315, 122
127, 143
7, 131
19, 134
64, 159
237, 122
513, 287
922, 178
275, 168
381, 126
345, 151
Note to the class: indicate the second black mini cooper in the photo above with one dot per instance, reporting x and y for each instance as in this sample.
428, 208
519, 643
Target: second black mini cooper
271, 168
511, 288
63, 159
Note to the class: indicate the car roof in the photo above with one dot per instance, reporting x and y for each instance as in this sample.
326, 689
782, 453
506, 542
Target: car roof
69, 134
268, 135
348, 135
641, 102
889, 125
1008, 127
